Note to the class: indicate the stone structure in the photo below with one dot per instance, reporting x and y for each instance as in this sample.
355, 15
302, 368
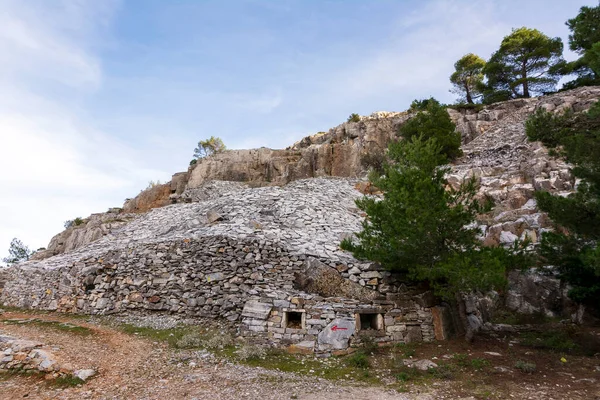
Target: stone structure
266, 257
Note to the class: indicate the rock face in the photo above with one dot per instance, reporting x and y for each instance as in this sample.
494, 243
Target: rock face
93, 228
334, 153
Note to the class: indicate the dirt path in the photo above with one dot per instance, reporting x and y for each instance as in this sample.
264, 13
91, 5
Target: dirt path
135, 368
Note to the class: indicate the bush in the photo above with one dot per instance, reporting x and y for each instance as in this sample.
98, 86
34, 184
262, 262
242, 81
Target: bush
525, 366
74, 222
359, 360
251, 352
190, 341
551, 340
218, 341
374, 161
353, 118
432, 121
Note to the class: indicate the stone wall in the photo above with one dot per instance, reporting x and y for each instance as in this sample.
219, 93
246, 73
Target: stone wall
254, 284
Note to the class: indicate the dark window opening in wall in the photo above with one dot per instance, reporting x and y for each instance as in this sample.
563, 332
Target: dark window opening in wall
293, 319
370, 321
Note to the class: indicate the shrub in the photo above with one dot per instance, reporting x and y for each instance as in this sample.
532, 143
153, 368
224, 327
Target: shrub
374, 161
251, 352
479, 363
552, 340
218, 341
190, 341
525, 366
354, 118
359, 360
432, 121
74, 222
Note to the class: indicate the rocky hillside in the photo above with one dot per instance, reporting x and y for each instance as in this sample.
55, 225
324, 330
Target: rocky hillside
496, 151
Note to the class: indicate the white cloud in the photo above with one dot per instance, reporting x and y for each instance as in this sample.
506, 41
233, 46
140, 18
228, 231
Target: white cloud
54, 164
419, 55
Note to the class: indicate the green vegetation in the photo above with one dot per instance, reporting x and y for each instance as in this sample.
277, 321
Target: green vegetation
74, 222
524, 366
530, 63
353, 118
209, 147
422, 228
66, 381
585, 41
56, 325
17, 252
432, 121
525, 64
468, 77
359, 360
573, 250
555, 340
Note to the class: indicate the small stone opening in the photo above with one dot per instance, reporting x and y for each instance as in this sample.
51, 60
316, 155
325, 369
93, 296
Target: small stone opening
89, 287
293, 319
369, 322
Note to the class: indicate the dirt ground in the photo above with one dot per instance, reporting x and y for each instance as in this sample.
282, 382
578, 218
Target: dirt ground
133, 367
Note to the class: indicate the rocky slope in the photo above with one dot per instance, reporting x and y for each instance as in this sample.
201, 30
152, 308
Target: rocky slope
496, 150
309, 217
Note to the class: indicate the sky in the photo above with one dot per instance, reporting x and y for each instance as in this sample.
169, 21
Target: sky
99, 97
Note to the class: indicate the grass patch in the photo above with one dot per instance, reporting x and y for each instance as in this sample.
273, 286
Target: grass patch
555, 340
57, 325
66, 381
358, 360
406, 349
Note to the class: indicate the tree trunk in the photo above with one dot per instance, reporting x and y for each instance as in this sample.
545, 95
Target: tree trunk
469, 98
525, 82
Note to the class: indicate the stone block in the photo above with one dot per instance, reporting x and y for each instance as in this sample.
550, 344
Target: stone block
257, 310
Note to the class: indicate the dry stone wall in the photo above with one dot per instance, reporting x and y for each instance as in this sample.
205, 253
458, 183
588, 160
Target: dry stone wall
251, 283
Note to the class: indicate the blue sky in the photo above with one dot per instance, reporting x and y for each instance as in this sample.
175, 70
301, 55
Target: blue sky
99, 97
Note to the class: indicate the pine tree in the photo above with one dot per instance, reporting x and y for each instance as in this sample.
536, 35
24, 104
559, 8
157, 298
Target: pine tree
573, 248
17, 252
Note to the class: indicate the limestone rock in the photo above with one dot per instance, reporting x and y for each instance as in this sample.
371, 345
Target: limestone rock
336, 334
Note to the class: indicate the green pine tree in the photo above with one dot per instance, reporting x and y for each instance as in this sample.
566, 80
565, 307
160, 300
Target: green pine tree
573, 248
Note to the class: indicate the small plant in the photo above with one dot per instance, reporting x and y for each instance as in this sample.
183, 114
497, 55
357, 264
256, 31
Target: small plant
190, 340
403, 377
479, 363
67, 381
374, 161
359, 360
553, 340
368, 343
251, 352
525, 366
461, 359
406, 349
354, 117
74, 222
442, 371
193, 162
219, 340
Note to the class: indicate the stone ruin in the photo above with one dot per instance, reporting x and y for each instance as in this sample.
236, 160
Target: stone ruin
261, 250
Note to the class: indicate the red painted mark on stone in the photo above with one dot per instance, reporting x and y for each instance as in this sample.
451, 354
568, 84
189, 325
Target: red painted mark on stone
337, 328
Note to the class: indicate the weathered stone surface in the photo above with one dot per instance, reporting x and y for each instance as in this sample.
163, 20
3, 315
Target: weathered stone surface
257, 310
335, 336
84, 374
